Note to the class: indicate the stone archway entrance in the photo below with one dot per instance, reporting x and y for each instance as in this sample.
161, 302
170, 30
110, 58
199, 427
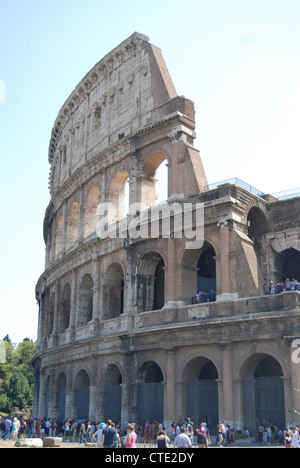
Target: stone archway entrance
263, 394
150, 393
202, 404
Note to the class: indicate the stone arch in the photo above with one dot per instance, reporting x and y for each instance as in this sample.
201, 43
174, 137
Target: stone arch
152, 166
199, 272
82, 392
65, 308
287, 265
119, 194
257, 223
113, 291
200, 391
51, 314
150, 394
263, 391
72, 225
91, 211
85, 301
151, 282
59, 235
61, 390
112, 393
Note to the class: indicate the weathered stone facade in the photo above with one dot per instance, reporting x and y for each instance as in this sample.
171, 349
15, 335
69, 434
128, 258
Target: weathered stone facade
119, 334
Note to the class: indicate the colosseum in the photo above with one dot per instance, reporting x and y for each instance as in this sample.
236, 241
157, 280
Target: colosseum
186, 318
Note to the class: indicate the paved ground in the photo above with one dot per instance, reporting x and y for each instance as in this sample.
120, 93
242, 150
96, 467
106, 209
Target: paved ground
239, 444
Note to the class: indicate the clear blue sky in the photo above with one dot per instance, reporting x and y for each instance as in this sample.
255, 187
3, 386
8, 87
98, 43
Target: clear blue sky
238, 60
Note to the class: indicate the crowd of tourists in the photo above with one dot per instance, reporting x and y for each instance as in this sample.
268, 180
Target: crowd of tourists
202, 297
282, 286
183, 434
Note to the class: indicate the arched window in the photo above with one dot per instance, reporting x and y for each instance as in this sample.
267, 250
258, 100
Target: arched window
151, 282
288, 265
91, 211
154, 180
51, 315
65, 308
72, 225
85, 301
59, 235
206, 273
119, 195
113, 291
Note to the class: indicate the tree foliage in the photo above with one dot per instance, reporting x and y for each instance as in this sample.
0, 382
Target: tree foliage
17, 375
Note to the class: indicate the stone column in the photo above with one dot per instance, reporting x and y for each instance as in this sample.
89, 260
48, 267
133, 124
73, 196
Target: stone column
170, 280
169, 390
226, 293
126, 411
227, 383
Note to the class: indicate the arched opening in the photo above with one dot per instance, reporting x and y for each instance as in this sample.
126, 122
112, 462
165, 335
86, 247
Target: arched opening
72, 225
85, 301
59, 235
154, 180
113, 292
257, 224
201, 395
257, 228
264, 400
51, 315
82, 388
113, 394
288, 265
61, 397
65, 308
206, 275
119, 196
198, 270
151, 282
91, 211
150, 393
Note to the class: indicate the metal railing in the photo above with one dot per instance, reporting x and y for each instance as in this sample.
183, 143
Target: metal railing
236, 181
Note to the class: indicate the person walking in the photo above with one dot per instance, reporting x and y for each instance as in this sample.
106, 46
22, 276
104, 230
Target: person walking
162, 440
108, 434
131, 437
182, 440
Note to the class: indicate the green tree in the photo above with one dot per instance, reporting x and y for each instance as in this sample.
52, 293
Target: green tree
19, 391
17, 375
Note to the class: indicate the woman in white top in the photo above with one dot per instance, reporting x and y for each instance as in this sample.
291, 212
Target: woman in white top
295, 438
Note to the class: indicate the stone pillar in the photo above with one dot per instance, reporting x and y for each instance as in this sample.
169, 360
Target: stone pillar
227, 383
126, 411
226, 293
170, 280
42, 391
170, 390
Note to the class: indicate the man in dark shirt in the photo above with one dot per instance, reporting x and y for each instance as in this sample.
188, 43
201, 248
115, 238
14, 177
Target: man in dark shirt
108, 434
